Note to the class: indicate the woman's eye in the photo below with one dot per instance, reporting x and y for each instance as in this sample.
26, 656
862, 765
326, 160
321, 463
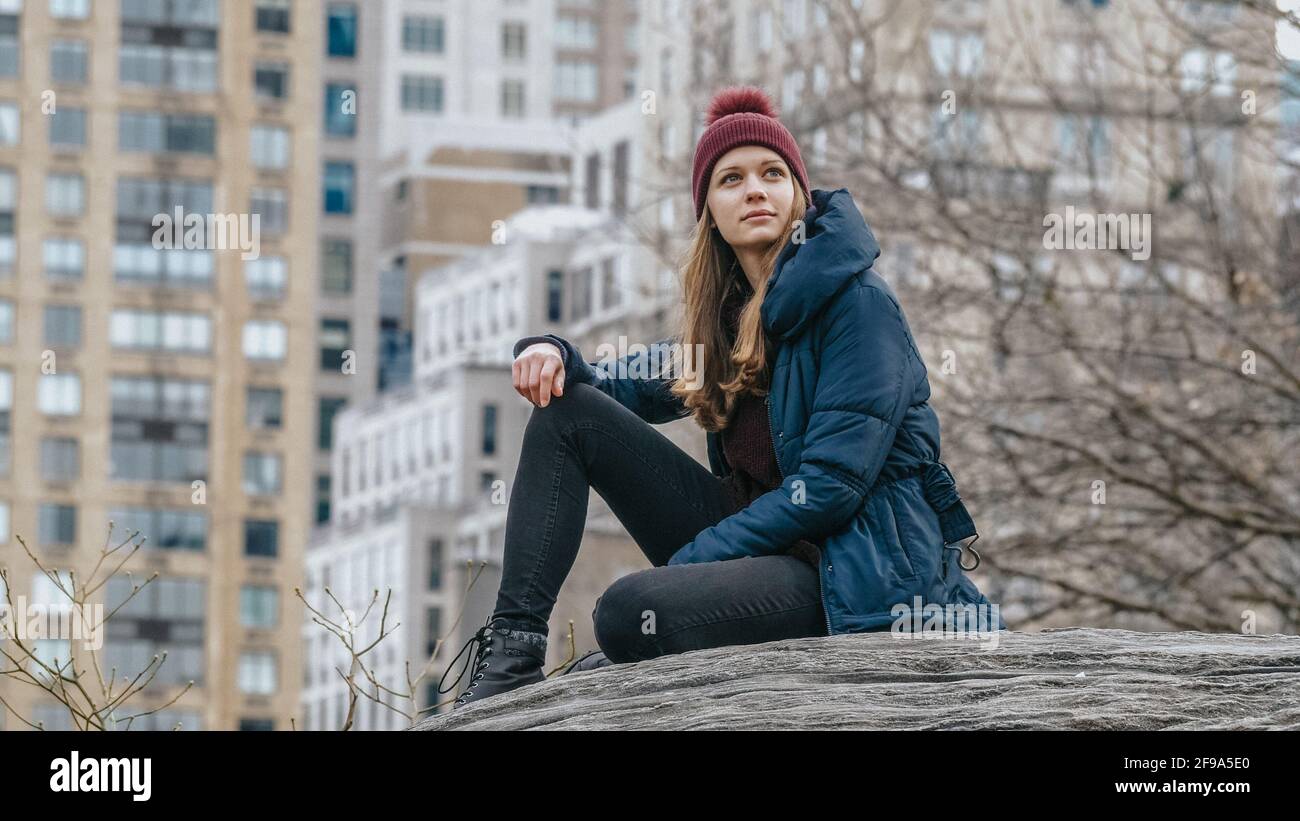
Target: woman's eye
777, 170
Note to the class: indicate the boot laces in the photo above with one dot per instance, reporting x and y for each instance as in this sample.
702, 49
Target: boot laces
483, 639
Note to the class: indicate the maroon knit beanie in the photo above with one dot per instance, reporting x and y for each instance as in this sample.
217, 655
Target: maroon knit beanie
742, 115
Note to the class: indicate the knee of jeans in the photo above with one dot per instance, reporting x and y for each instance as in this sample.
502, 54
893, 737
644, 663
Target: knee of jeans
576, 401
620, 619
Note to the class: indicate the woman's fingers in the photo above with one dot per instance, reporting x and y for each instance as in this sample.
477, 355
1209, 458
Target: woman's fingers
534, 380
538, 376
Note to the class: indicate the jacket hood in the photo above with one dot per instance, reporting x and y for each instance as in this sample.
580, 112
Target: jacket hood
837, 244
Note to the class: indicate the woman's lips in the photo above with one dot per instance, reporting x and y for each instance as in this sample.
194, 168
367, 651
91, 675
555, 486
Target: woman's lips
758, 217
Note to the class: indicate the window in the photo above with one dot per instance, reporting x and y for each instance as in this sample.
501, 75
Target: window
340, 110
257, 673
322, 498
489, 430
164, 529
170, 45
1200, 69
329, 408
59, 394
136, 260
261, 537
338, 182
266, 277
60, 460
957, 135
172, 331
335, 339
56, 524
261, 473
6, 409
68, 128
4, 538
272, 207
272, 16
433, 628
342, 30
256, 725
6, 321
270, 147
422, 92
554, 295
621, 159
575, 32
70, 9
956, 54
514, 43
9, 48
63, 326
10, 123
512, 98
575, 81
158, 133
1083, 143
423, 34
264, 408
609, 292
264, 339
65, 195
271, 80
592, 180
159, 429
580, 293
537, 194
794, 18
8, 204
435, 564
259, 606
64, 259
165, 615
68, 61
336, 266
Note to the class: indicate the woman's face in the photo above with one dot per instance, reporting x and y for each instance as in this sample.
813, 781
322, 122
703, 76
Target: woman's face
745, 180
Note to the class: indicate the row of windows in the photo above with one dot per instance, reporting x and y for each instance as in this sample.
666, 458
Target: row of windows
65, 198
64, 259
365, 462
56, 524
158, 133
174, 45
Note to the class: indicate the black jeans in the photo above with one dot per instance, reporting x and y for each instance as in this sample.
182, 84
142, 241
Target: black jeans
585, 440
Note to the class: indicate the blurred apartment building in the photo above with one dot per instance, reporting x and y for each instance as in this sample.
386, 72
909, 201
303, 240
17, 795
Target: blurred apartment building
439, 120
183, 366
157, 387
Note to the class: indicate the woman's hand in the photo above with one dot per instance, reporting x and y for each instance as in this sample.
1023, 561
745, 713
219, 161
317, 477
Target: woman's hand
539, 372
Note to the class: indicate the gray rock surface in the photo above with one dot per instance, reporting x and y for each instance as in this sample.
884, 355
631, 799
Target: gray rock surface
1070, 678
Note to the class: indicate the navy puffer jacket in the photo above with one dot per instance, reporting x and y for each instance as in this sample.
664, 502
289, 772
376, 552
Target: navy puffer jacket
856, 439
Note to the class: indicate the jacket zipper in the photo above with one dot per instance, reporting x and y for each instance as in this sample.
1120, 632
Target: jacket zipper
776, 451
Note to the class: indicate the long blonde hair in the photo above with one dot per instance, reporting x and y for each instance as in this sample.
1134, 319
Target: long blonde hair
707, 280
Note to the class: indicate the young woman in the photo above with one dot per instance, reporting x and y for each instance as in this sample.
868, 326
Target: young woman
825, 507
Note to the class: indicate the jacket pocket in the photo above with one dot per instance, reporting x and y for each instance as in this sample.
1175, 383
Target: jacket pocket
893, 536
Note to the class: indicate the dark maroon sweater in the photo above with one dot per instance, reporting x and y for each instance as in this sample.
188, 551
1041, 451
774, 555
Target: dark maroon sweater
747, 440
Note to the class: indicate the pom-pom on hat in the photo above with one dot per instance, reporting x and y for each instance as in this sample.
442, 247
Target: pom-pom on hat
742, 115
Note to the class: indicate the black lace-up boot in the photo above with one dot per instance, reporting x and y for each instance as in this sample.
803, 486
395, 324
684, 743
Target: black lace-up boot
501, 663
